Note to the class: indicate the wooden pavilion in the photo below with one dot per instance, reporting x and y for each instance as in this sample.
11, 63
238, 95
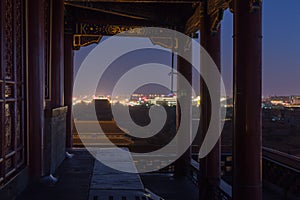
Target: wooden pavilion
37, 42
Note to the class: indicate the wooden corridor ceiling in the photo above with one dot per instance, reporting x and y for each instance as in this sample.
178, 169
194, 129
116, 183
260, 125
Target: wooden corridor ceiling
137, 1
88, 19
130, 13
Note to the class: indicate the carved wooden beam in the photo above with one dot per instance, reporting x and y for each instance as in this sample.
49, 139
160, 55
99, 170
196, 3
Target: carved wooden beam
109, 30
85, 40
86, 34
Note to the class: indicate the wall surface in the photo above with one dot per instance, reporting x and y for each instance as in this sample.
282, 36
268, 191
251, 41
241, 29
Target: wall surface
55, 138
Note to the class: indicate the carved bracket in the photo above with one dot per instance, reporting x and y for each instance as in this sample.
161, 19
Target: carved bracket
255, 5
215, 9
166, 42
193, 23
216, 20
85, 40
214, 6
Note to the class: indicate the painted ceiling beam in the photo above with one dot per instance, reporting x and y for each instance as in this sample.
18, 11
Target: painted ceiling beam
106, 11
137, 1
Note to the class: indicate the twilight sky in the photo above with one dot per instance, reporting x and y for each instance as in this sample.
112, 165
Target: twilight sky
281, 52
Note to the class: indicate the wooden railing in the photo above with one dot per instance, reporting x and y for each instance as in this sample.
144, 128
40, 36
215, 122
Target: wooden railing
224, 191
281, 172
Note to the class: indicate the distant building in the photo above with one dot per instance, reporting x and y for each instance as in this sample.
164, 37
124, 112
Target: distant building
295, 100
170, 101
279, 100
103, 109
93, 138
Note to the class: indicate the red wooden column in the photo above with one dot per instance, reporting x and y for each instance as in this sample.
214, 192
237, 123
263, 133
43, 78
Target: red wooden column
184, 110
57, 67
210, 165
35, 84
68, 86
247, 153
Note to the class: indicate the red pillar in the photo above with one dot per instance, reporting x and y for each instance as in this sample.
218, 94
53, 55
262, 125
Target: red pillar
57, 67
184, 110
68, 86
210, 165
35, 84
247, 153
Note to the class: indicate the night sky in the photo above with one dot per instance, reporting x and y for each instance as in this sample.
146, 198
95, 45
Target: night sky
281, 52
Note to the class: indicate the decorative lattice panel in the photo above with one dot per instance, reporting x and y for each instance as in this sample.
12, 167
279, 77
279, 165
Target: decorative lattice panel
12, 136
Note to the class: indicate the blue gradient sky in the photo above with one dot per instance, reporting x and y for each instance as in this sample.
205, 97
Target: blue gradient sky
281, 50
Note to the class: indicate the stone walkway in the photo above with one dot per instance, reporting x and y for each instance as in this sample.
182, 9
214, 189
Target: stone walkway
74, 177
111, 184
83, 178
